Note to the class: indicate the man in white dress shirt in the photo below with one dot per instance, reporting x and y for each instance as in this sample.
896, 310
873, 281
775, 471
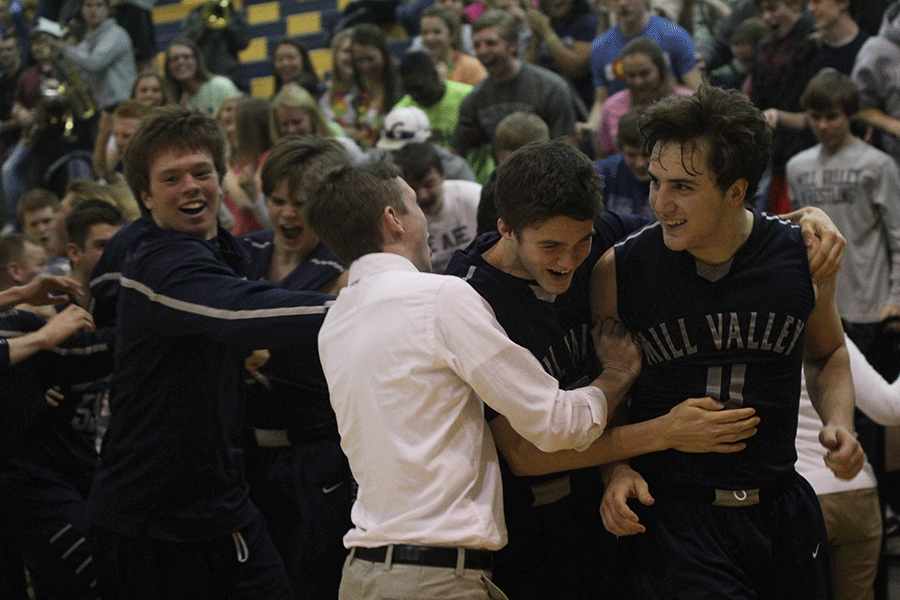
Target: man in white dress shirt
409, 356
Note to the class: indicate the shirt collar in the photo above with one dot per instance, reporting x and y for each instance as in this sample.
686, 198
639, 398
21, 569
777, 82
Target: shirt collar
377, 263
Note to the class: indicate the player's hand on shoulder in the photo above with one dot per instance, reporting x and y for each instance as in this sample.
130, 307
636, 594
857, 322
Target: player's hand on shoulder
623, 483
824, 243
845, 456
703, 425
616, 348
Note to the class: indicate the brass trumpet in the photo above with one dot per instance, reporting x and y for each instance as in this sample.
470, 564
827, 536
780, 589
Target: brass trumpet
76, 91
59, 108
217, 14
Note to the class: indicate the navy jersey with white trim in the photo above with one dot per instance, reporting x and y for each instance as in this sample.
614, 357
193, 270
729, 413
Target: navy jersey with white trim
319, 269
736, 336
107, 272
186, 319
297, 393
556, 329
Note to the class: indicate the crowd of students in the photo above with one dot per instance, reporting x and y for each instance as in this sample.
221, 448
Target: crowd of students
169, 429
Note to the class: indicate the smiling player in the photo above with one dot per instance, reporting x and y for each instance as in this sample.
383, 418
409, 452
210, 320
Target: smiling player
170, 513
535, 273
723, 304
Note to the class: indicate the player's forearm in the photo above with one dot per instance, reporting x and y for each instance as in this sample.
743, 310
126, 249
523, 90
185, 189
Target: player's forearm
616, 444
615, 383
827, 362
26, 346
11, 297
627, 441
830, 387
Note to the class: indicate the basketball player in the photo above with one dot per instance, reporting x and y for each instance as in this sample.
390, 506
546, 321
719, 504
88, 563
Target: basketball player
723, 304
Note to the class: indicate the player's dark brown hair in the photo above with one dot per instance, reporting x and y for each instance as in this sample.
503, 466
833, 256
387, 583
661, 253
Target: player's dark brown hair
738, 140
545, 180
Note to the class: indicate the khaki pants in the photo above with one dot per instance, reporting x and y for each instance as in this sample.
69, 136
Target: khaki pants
364, 580
853, 520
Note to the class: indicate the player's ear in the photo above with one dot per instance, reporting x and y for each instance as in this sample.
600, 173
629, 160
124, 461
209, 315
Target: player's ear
147, 200
737, 192
73, 252
505, 230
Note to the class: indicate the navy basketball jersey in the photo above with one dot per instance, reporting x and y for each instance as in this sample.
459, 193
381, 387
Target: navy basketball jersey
732, 331
297, 394
319, 269
58, 442
555, 329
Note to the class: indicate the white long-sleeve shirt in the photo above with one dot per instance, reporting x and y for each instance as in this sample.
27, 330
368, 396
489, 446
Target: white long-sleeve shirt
876, 397
407, 356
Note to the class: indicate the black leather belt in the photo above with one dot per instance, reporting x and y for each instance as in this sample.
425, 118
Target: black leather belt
428, 556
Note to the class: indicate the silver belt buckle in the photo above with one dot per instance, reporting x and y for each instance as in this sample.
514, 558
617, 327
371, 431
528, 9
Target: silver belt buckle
271, 438
736, 498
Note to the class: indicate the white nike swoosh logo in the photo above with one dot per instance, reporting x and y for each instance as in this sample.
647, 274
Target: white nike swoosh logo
328, 490
816, 551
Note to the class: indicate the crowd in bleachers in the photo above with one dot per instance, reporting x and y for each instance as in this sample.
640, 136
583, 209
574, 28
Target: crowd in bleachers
475, 83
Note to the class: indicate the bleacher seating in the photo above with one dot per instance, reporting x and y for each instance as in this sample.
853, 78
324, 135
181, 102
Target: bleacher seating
270, 21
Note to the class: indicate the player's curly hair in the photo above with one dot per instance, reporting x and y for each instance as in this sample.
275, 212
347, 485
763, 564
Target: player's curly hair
738, 140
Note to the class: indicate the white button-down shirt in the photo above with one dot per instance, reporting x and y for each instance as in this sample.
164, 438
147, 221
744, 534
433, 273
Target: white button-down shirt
407, 356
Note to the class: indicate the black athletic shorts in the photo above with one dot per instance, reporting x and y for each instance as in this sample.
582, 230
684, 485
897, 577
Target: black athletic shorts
698, 551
